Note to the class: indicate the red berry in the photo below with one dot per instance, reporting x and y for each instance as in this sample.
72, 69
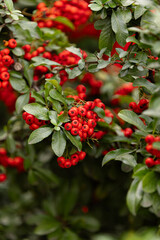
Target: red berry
143, 104
3, 152
30, 119
73, 112
149, 162
82, 111
68, 126
101, 105
90, 131
85, 128
61, 160
149, 139
75, 157
38, 121
34, 126
4, 76
3, 177
67, 164
81, 89
128, 132
75, 123
28, 56
24, 115
91, 123
12, 43
81, 155
26, 48
90, 114
82, 96
74, 131
133, 105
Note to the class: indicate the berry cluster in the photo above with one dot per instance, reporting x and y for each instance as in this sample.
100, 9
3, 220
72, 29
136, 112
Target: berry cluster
8, 96
140, 107
125, 89
65, 58
83, 119
77, 11
150, 139
5, 161
94, 84
72, 161
5, 62
33, 122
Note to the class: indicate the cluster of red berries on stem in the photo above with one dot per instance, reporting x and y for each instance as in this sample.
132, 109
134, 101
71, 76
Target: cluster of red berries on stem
33, 122
8, 96
94, 84
5, 62
140, 107
72, 161
150, 139
5, 161
83, 119
77, 11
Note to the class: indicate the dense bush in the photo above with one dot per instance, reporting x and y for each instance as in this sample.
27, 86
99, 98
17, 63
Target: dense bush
79, 87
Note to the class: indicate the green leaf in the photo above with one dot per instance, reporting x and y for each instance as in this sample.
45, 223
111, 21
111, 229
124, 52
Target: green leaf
132, 118
18, 51
134, 196
55, 83
74, 140
53, 117
156, 145
38, 97
46, 226
150, 182
65, 21
75, 51
57, 96
113, 155
58, 143
119, 27
100, 112
126, 3
18, 84
89, 223
9, 4
43, 61
141, 82
138, 11
37, 110
75, 72
10, 143
107, 36
21, 102
95, 7
39, 134
28, 72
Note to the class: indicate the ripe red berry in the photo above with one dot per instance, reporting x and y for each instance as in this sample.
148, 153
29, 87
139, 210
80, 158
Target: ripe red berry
24, 115
82, 96
149, 139
26, 48
85, 128
90, 114
75, 123
149, 162
7, 60
67, 164
38, 121
143, 104
81, 89
74, 131
81, 155
30, 119
28, 56
34, 126
82, 111
101, 105
68, 126
73, 112
133, 105
90, 131
128, 132
61, 160
3, 177
91, 123
3, 152
4, 76
12, 43
75, 157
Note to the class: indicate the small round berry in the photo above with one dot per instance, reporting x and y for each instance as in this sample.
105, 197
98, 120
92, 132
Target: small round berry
90, 131
149, 139
67, 164
26, 48
81, 89
149, 162
24, 115
61, 160
73, 112
82, 111
91, 123
81, 155
85, 128
133, 105
128, 132
90, 114
75, 157
12, 43
75, 123
68, 126
4, 76
30, 119
74, 131
3, 177
38, 121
